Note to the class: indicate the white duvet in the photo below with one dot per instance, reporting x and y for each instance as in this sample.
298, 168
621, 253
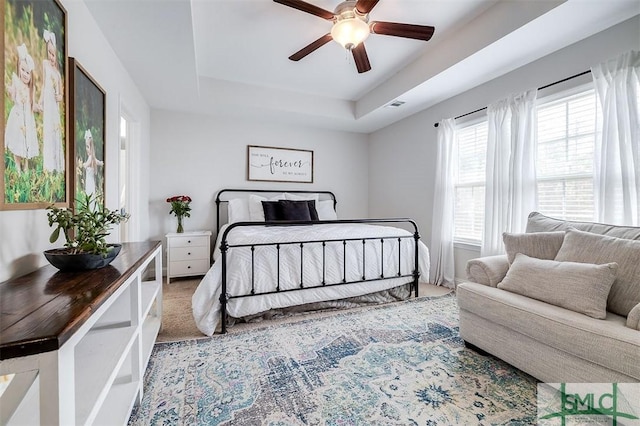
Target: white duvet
205, 301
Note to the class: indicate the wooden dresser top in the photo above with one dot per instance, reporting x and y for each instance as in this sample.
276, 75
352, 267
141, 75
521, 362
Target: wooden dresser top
40, 311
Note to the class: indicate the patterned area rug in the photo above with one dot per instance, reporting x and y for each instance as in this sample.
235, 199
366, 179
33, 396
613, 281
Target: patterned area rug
399, 364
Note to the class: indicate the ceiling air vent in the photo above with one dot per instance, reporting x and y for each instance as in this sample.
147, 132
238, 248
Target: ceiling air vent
395, 104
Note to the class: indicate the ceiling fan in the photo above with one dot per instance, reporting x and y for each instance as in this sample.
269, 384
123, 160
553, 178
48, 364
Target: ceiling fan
351, 27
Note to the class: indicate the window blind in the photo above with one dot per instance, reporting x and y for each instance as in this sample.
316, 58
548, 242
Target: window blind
566, 134
471, 153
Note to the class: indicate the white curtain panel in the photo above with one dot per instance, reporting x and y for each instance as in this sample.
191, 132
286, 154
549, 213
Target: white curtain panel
523, 194
497, 177
442, 267
510, 193
617, 150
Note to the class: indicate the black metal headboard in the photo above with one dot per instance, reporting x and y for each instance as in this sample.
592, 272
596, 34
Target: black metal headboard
220, 198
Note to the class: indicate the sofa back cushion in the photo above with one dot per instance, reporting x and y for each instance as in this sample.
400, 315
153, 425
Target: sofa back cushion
538, 222
541, 245
585, 247
579, 287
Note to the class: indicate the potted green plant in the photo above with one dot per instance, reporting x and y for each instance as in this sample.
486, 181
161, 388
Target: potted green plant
84, 232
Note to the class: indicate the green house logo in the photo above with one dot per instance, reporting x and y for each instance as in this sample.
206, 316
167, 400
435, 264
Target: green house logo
615, 404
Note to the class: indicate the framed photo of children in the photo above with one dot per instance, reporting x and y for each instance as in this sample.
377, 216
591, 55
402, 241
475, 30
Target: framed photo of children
34, 168
87, 101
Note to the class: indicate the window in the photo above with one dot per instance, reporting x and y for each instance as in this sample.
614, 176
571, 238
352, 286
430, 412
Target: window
471, 155
567, 129
567, 126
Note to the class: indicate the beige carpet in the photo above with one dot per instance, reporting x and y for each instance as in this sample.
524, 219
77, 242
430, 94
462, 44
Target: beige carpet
178, 324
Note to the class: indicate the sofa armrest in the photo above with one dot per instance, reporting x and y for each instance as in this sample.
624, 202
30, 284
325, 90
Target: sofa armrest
488, 270
633, 319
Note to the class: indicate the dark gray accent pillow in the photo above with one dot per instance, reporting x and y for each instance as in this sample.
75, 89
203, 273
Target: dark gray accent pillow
287, 210
312, 210
271, 211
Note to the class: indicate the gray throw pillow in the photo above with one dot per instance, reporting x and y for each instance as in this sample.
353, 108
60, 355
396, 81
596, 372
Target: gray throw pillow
585, 247
579, 287
541, 245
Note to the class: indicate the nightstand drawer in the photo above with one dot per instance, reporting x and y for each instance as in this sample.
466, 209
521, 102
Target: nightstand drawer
189, 267
189, 253
189, 241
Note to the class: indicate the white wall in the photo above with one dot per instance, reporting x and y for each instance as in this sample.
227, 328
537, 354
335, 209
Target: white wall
402, 156
197, 155
25, 234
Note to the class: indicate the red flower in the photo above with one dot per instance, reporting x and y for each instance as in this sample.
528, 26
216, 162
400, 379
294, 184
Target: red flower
179, 198
180, 205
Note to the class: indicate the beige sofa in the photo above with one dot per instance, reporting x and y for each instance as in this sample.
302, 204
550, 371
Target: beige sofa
553, 343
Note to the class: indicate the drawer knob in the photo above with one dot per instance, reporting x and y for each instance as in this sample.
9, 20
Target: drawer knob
189, 267
189, 254
189, 242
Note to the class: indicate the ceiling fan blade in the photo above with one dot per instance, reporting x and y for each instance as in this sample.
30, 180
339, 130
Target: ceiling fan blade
418, 32
365, 6
361, 58
306, 7
311, 47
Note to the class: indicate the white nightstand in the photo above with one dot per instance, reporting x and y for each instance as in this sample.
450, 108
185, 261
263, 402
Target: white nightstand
188, 253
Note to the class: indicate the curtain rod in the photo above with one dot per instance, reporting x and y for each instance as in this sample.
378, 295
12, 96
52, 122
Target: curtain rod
539, 88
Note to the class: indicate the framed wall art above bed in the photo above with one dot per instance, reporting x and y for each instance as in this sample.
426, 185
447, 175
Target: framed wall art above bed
274, 164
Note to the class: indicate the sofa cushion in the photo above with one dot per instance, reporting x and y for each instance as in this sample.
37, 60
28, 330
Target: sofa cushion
585, 247
541, 245
580, 287
538, 222
608, 343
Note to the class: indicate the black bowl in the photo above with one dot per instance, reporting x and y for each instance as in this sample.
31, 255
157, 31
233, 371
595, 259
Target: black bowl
82, 261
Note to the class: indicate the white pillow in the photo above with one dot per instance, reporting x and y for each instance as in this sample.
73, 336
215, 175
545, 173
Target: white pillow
296, 197
255, 206
238, 210
325, 210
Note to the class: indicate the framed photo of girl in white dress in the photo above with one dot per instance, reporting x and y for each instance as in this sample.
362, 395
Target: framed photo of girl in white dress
34, 168
87, 102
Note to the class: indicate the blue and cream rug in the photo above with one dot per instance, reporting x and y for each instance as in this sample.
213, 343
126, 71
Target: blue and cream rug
398, 364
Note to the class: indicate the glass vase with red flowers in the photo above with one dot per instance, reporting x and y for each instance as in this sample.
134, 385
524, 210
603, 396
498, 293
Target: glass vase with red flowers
181, 208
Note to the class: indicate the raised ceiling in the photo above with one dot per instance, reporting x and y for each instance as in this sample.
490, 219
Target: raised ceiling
229, 57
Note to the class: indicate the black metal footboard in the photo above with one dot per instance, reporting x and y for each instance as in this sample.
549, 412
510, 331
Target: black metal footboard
384, 275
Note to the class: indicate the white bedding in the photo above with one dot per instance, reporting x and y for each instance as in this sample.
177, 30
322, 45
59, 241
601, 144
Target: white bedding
205, 301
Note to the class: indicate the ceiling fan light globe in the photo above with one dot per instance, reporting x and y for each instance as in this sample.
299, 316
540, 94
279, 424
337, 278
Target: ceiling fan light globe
349, 33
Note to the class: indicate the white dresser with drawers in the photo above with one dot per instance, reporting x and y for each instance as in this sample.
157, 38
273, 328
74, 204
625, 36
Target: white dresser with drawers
188, 253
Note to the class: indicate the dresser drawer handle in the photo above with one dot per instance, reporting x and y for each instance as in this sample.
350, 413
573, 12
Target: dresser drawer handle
189, 242
189, 254
189, 267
